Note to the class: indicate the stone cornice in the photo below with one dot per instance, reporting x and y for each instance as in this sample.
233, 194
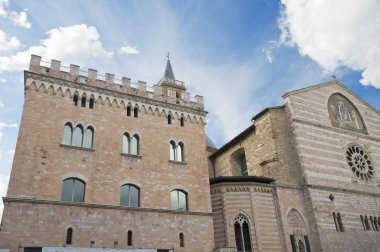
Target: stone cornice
101, 206
347, 132
112, 93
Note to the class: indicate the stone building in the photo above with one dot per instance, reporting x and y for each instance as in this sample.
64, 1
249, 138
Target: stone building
100, 165
303, 177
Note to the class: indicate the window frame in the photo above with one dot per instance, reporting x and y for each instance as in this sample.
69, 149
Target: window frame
72, 190
129, 195
178, 191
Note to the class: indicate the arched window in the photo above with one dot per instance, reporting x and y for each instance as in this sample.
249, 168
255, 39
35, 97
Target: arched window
136, 112
91, 103
77, 136
129, 195
126, 143
182, 121
172, 149
83, 102
129, 111
169, 119
131, 145
134, 148
239, 163
363, 223
180, 152
67, 134
73, 190
88, 137
242, 233
129, 241
176, 151
181, 240
179, 200
69, 236
75, 100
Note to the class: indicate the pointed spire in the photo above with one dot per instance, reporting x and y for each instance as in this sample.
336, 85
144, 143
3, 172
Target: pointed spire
169, 71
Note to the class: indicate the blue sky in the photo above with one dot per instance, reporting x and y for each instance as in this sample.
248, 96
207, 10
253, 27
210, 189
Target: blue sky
240, 55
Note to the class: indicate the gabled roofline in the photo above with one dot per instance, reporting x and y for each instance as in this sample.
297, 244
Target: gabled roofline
232, 141
243, 133
301, 90
262, 112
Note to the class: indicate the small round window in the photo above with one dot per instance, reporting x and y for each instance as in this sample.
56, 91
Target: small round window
360, 163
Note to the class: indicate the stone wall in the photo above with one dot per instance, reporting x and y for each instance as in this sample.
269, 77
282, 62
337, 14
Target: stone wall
42, 162
37, 224
331, 184
257, 203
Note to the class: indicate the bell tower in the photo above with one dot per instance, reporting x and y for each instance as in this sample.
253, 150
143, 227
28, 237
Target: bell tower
170, 86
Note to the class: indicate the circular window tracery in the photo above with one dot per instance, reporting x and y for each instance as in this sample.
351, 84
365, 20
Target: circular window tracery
360, 163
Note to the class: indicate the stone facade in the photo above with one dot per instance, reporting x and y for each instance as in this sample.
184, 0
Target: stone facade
326, 192
303, 177
34, 216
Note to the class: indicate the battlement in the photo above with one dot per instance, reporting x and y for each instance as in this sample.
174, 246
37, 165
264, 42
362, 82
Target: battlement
74, 74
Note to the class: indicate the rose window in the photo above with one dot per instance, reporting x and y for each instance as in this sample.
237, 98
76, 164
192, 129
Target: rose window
359, 162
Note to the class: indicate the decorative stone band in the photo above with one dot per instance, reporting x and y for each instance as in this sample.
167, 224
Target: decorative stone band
242, 187
32, 200
193, 114
348, 132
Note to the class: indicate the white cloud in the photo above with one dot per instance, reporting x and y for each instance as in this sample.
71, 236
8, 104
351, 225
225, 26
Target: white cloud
6, 125
129, 50
3, 7
71, 44
335, 33
4, 180
8, 43
20, 19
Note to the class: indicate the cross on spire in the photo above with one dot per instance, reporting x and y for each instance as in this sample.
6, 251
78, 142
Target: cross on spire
168, 55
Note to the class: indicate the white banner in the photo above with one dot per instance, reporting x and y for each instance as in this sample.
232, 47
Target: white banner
73, 249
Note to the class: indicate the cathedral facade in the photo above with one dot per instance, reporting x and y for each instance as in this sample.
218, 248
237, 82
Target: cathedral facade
101, 165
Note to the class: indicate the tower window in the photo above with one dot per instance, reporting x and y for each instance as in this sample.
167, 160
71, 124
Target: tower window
83, 102
67, 134
182, 121
73, 190
75, 100
131, 145
169, 119
129, 195
129, 111
136, 112
179, 200
91, 103
69, 236
129, 241
176, 151
181, 240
